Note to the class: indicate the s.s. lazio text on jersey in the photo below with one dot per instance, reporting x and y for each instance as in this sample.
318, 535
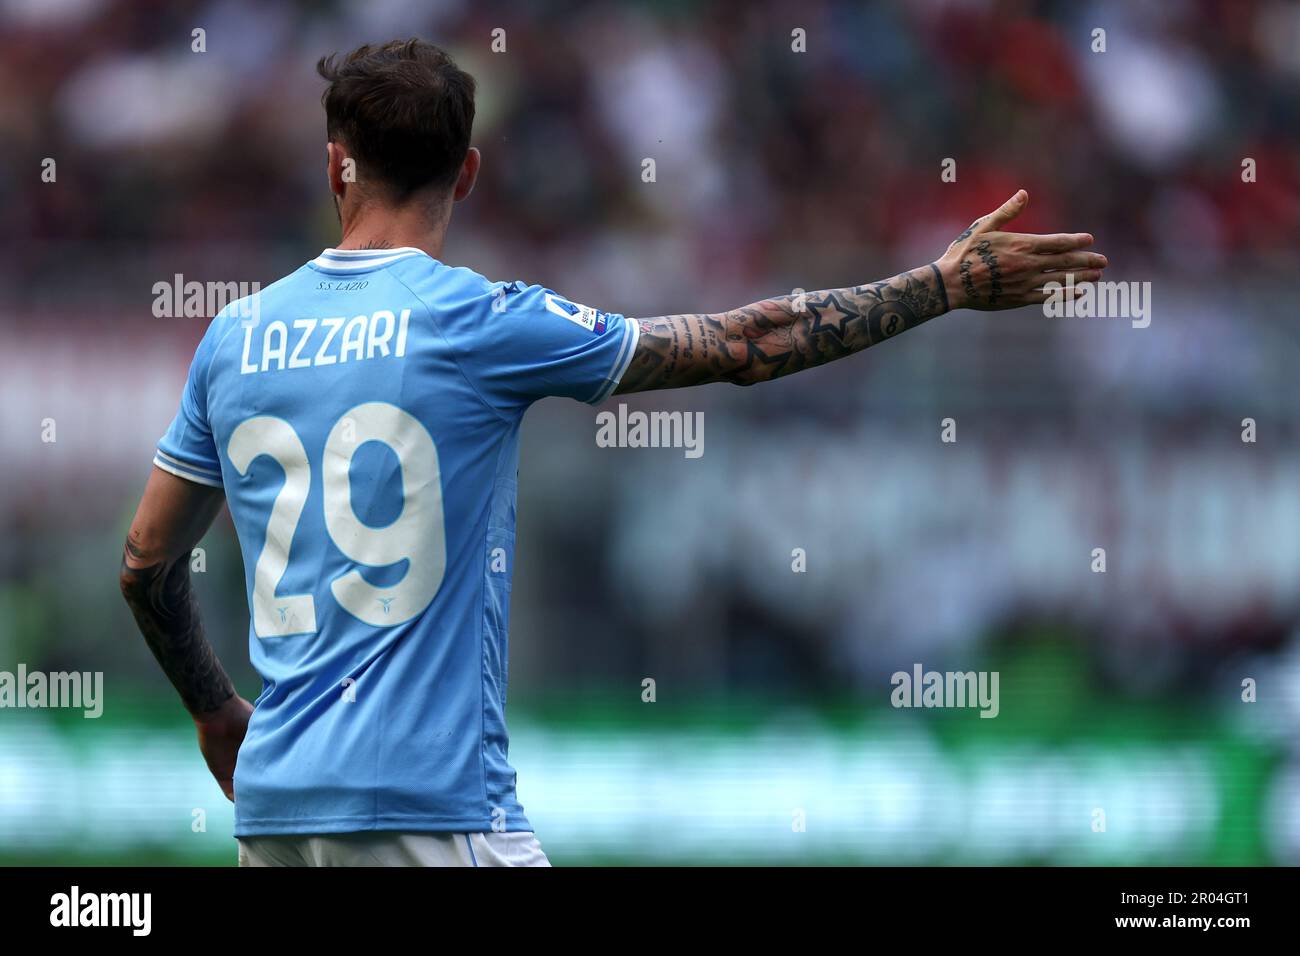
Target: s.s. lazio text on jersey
305, 343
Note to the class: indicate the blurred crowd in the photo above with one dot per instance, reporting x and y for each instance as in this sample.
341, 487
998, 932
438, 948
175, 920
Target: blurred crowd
1137, 134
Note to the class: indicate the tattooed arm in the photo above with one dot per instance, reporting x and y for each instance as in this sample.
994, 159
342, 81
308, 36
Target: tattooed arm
983, 268
155, 579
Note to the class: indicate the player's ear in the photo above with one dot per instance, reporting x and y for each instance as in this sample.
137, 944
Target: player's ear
335, 156
468, 175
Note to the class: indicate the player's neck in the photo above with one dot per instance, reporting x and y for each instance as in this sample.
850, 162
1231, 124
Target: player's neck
387, 228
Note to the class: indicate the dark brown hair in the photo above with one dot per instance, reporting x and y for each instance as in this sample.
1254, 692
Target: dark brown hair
404, 111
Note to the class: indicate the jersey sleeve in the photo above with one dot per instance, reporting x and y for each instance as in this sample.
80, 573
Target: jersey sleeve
537, 343
188, 449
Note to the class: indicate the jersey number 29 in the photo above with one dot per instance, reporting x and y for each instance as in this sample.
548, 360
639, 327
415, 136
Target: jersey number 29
417, 536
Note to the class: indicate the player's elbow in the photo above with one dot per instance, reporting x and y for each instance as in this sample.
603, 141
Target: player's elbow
138, 573
744, 377
744, 371
132, 582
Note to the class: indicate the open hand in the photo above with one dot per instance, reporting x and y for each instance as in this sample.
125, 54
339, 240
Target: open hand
988, 269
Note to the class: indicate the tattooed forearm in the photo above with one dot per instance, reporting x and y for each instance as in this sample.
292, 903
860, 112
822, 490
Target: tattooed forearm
780, 336
167, 612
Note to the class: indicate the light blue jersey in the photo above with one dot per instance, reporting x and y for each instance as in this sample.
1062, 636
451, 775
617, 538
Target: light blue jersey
364, 423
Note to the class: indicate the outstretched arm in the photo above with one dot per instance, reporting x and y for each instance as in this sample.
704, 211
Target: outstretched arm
173, 516
984, 268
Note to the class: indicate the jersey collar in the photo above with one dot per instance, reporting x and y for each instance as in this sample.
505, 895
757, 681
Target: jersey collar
360, 260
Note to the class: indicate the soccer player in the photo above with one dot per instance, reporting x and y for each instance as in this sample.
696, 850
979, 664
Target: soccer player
362, 423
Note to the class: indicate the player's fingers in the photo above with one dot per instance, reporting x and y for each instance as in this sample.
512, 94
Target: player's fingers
1078, 277
1005, 213
1073, 260
1040, 295
1059, 242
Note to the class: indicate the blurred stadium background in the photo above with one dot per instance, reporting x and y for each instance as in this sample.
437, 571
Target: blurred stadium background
775, 170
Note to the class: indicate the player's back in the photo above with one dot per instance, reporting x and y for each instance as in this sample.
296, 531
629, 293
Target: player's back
364, 424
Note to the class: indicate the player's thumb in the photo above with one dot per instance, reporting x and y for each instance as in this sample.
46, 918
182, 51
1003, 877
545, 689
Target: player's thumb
1007, 211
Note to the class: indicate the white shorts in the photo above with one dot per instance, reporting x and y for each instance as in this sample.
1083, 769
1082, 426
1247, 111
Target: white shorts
393, 849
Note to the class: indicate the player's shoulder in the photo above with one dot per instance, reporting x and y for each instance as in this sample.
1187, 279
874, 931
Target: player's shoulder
437, 280
457, 295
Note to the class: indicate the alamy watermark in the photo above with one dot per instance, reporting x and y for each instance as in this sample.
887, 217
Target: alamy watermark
1100, 300
133, 911
638, 429
180, 299
57, 689
922, 688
